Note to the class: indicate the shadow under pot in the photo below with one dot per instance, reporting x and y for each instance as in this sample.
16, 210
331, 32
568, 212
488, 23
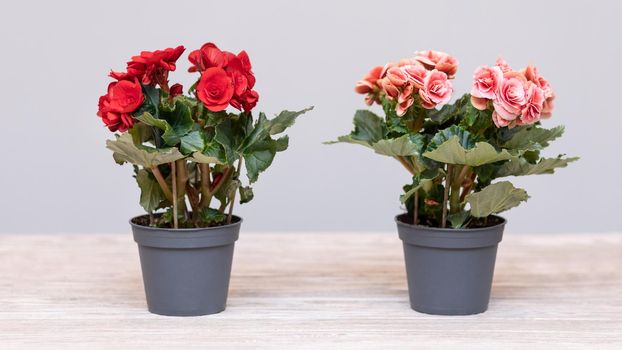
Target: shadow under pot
449, 271
186, 272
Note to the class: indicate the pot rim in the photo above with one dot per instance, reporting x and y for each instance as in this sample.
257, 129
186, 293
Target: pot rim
237, 220
450, 230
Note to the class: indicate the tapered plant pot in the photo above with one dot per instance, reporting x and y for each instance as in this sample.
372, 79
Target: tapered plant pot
449, 271
186, 271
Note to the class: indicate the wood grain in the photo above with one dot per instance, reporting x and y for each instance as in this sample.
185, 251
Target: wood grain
310, 291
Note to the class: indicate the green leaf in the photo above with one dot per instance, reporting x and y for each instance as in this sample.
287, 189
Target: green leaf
258, 160
260, 156
422, 180
449, 111
192, 142
495, 198
212, 216
151, 102
246, 194
151, 194
533, 138
520, 167
126, 151
368, 128
464, 138
259, 132
349, 139
285, 119
459, 219
149, 119
212, 154
452, 152
405, 145
226, 137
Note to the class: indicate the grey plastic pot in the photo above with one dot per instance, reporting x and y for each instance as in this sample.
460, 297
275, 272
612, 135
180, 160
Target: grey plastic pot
449, 271
186, 271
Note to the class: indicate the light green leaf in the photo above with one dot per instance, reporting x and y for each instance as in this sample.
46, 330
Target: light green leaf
533, 138
401, 146
151, 194
459, 219
520, 167
212, 153
285, 119
495, 198
349, 139
126, 151
149, 119
451, 152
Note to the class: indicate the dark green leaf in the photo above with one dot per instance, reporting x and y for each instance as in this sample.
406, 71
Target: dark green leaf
212, 216
246, 194
150, 192
192, 142
284, 120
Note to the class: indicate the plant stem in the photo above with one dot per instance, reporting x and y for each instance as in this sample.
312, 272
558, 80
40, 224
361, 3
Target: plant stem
206, 195
406, 164
416, 209
182, 179
174, 181
445, 195
456, 183
163, 185
237, 174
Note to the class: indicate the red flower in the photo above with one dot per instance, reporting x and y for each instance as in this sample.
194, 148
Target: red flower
209, 55
247, 101
113, 120
176, 89
237, 67
151, 67
123, 97
215, 89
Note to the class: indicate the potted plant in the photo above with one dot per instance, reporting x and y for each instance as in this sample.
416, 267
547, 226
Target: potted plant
188, 153
455, 154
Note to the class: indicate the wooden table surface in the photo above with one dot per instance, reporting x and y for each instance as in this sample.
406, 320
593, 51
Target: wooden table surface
303, 290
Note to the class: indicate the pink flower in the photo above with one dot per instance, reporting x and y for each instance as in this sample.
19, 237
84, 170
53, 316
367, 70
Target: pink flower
438, 60
389, 89
485, 81
531, 74
368, 83
416, 74
436, 89
402, 107
499, 122
479, 102
501, 63
547, 107
533, 108
397, 76
509, 98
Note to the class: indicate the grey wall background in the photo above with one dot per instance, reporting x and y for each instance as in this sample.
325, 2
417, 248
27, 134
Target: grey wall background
57, 175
